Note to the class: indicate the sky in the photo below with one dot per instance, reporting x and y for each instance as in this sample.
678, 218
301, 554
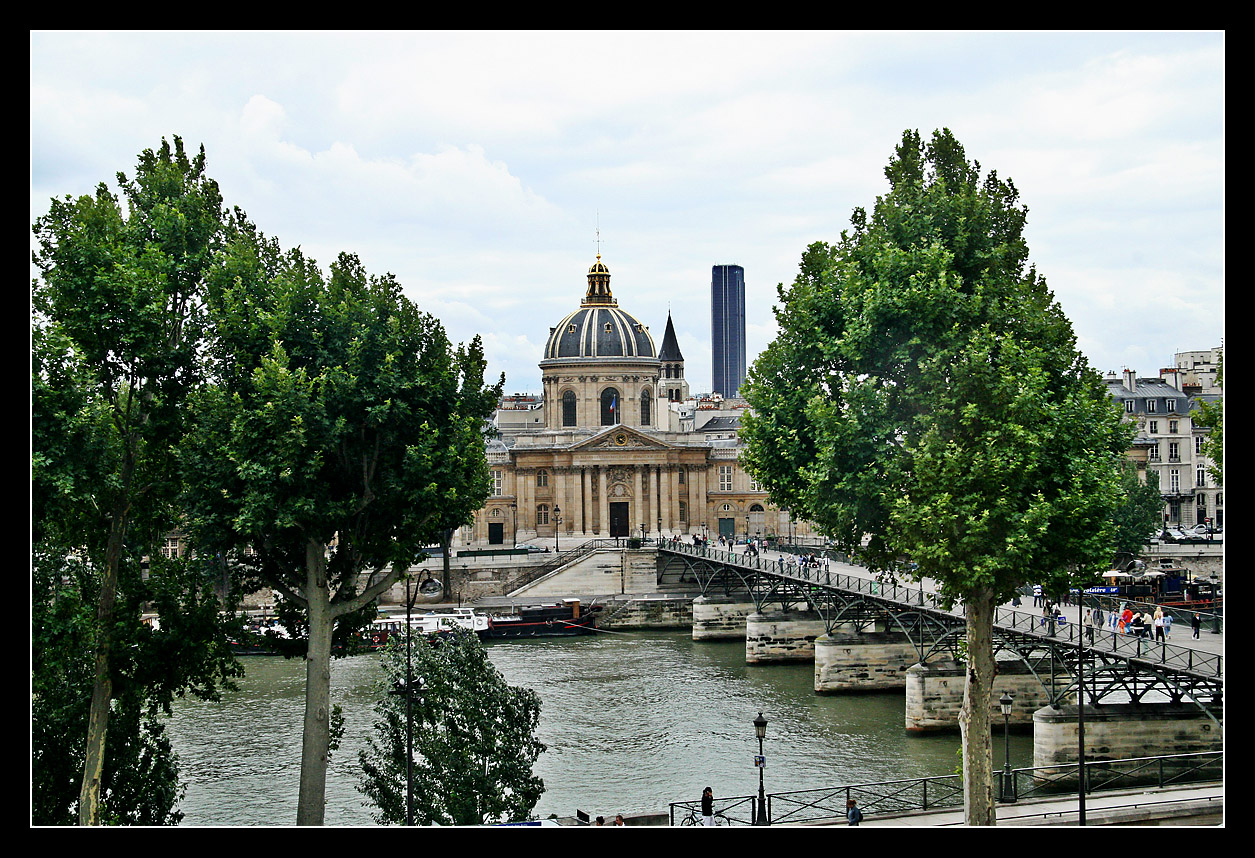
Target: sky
486, 169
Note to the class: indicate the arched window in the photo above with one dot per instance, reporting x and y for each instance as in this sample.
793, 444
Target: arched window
568, 408
610, 406
645, 408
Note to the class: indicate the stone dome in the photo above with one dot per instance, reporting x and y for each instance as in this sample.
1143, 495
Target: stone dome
599, 329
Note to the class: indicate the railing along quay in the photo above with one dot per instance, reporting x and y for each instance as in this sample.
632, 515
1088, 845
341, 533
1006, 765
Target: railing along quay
946, 791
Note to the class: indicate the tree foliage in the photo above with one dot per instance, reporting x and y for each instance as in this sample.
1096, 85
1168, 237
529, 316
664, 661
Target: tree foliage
1211, 415
342, 433
925, 397
1140, 512
116, 324
474, 738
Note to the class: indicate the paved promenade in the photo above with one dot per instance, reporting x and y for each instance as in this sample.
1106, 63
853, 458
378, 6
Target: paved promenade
1195, 805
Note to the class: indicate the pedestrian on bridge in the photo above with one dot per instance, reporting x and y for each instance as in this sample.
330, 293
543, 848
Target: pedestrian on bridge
1196, 624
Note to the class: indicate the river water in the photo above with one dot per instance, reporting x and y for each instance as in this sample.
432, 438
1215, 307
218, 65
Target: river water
632, 722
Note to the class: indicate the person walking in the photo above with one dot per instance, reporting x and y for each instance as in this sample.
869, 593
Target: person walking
852, 814
1158, 623
1167, 625
708, 807
1037, 595
1196, 625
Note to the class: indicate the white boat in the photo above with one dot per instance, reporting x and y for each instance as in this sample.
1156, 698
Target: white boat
427, 623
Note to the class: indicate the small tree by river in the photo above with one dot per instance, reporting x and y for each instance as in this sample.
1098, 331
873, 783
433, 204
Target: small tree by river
474, 737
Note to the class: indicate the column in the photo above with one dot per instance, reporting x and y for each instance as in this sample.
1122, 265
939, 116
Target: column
703, 498
577, 500
586, 504
603, 506
655, 521
664, 495
557, 481
525, 482
642, 501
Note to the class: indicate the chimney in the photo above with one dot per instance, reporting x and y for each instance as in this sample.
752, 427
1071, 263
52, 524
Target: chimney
1130, 381
1172, 377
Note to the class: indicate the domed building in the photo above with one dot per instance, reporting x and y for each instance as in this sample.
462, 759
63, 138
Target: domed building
613, 458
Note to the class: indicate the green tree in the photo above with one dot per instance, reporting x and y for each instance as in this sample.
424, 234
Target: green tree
1211, 414
474, 738
343, 433
116, 323
925, 392
1140, 513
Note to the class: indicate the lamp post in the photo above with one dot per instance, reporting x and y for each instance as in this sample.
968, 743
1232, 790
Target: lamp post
1080, 707
412, 688
760, 730
514, 524
557, 521
1008, 781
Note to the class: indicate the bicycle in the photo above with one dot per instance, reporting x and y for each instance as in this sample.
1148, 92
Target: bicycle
695, 818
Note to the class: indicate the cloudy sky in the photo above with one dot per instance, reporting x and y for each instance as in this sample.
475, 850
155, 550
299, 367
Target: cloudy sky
478, 167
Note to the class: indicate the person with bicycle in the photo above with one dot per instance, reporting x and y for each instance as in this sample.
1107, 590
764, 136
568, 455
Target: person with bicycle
708, 806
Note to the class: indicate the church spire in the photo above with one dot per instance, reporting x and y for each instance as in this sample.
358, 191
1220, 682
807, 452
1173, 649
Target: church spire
670, 351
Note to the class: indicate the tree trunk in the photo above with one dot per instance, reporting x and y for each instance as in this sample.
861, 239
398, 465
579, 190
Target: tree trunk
446, 544
978, 784
102, 686
312, 801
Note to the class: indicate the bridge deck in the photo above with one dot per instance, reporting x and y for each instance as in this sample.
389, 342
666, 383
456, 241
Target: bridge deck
1203, 656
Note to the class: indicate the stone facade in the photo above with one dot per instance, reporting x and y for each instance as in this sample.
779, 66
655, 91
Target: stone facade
607, 462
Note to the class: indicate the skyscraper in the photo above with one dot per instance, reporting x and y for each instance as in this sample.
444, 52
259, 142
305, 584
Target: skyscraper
727, 328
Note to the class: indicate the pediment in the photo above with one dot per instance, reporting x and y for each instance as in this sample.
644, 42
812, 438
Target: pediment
621, 438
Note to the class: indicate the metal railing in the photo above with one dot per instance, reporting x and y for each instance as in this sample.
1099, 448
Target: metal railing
1126, 645
737, 810
1026, 622
1100, 775
946, 791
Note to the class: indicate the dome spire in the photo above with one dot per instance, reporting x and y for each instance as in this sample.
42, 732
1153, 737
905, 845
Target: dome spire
598, 294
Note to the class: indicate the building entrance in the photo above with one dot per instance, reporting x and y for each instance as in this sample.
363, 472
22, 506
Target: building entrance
619, 522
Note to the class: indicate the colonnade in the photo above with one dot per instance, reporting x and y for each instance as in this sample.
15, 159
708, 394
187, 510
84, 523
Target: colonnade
666, 498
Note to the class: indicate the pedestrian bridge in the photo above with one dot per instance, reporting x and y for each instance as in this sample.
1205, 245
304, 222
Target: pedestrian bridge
1116, 668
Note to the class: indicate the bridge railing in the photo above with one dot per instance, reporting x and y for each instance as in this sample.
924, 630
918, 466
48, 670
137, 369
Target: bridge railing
1026, 622
1125, 645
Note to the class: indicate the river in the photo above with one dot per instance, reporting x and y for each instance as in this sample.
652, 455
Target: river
632, 722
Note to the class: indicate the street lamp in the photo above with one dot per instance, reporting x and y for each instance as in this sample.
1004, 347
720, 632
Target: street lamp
1008, 781
760, 730
557, 521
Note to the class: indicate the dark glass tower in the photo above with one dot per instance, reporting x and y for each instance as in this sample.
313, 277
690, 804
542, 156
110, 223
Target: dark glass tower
727, 328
